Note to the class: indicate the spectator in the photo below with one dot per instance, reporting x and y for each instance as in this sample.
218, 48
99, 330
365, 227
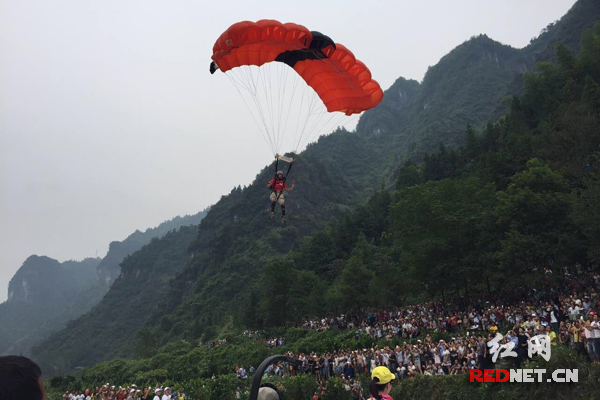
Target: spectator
472, 326
596, 325
381, 383
592, 330
20, 378
552, 335
147, 394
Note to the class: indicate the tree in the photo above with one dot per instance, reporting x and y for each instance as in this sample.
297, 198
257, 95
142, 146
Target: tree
275, 284
251, 310
439, 226
145, 344
566, 59
534, 213
587, 215
472, 147
351, 287
591, 93
409, 175
307, 295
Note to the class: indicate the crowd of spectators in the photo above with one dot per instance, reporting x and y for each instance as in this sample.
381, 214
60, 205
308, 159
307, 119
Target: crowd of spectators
409, 322
108, 392
567, 315
566, 311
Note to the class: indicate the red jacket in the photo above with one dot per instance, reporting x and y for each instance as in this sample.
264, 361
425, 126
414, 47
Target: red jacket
277, 184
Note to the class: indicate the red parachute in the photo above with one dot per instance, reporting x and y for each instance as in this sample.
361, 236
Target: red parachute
342, 83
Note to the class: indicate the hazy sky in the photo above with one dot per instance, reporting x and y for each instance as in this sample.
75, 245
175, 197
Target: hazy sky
110, 121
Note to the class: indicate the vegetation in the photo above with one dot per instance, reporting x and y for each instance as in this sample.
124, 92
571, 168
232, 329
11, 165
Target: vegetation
452, 226
468, 86
40, 300
483, 219
207, 373
155, 264
45, 294
110, 266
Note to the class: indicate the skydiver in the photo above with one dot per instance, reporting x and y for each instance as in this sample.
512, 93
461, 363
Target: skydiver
278, 186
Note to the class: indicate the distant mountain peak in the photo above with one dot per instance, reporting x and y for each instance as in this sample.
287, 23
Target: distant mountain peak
466, 87
582, 15
45, 293
109, 268
42, 278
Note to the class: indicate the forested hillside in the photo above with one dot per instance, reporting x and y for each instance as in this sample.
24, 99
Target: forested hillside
488, 219
515, 208
153, 267
109, 268
468, 86
233, 263
44, 294
43, 279
39, 295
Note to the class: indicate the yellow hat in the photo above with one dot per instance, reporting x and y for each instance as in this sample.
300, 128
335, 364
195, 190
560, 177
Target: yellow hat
383, 375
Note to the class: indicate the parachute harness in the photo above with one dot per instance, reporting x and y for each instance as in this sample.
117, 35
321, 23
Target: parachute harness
291, 162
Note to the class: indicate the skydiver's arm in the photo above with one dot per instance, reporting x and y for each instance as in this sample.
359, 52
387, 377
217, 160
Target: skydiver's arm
289, 189
270, 184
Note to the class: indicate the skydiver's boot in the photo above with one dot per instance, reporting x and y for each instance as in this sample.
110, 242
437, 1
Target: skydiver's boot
283, 213
272, 215
272, 210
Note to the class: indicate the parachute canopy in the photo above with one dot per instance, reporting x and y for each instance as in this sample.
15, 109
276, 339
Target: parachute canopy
342, 83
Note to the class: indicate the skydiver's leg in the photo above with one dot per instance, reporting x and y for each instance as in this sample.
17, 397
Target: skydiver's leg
273, 198
282, 204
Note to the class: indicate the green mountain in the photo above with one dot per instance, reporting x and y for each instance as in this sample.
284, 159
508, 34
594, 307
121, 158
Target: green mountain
41, 292
43, 279
567, 30
151, 268
515, 208
236, 242
44, 294
488, 220
467, 86
109, 268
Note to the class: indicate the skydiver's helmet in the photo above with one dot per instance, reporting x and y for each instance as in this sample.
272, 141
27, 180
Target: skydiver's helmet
280, 173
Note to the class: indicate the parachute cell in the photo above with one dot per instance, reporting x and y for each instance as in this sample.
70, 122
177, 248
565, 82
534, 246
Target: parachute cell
257, 43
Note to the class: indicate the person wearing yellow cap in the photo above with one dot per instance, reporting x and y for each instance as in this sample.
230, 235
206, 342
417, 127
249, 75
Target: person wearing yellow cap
381, 383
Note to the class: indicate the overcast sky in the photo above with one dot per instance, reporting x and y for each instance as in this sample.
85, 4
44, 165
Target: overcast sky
110, 121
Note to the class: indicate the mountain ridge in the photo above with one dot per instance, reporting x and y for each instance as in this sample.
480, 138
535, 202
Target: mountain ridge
109, 267
44, 293
338, 172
